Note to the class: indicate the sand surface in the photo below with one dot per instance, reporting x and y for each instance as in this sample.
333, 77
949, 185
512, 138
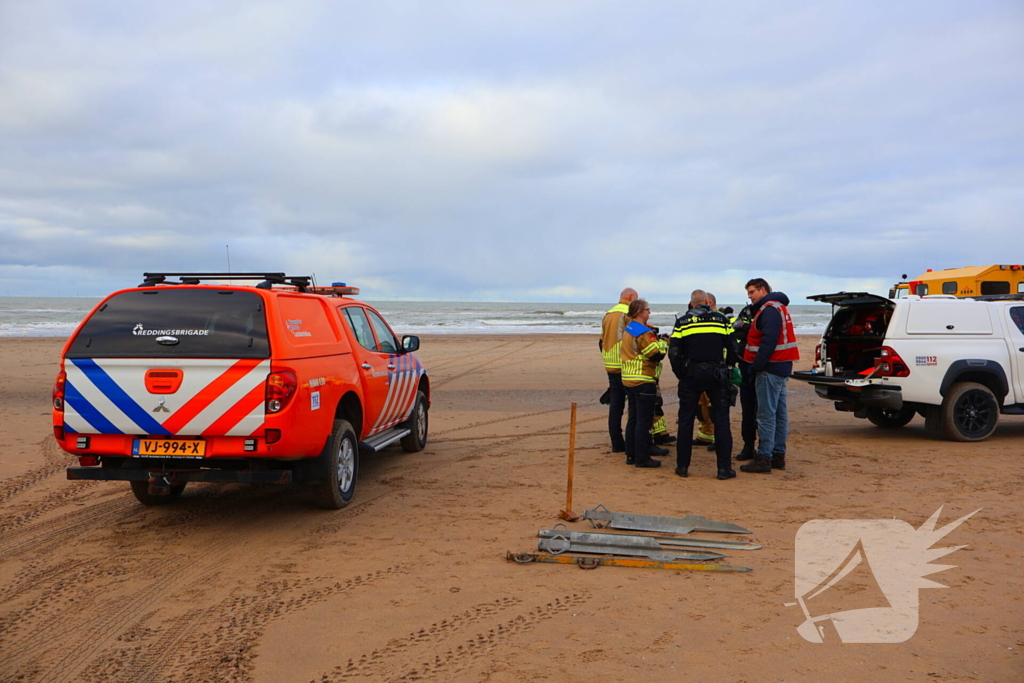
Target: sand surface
410, 582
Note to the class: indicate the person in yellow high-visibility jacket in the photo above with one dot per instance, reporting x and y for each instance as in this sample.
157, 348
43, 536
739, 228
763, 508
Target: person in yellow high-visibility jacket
641, 352
611, 336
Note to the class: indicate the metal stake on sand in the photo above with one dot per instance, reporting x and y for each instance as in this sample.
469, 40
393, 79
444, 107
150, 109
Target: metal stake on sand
567, 514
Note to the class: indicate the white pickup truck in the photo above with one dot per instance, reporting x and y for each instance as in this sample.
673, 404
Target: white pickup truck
959, 363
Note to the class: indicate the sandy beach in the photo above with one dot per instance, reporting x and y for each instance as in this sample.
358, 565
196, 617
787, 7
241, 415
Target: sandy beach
410, 582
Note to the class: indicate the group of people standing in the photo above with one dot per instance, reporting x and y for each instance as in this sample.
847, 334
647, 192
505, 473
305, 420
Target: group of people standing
709, 354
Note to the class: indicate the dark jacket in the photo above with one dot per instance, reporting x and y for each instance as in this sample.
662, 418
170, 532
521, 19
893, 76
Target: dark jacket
770, 324
741, 327
701, 335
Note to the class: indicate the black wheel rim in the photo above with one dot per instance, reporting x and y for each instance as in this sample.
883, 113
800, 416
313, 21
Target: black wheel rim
973, 413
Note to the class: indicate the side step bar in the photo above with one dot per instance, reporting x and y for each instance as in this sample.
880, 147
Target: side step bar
177, 477
378, 442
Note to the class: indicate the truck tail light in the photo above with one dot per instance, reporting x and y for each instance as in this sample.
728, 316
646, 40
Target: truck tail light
889, 364
281, 387
817, 354
58, 391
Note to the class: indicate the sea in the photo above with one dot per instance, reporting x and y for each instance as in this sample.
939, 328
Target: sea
58, 316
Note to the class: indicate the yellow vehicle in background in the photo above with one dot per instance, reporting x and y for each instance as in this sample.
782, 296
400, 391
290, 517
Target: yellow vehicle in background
963, 283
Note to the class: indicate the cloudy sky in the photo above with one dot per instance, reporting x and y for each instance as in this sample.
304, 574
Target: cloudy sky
537, 151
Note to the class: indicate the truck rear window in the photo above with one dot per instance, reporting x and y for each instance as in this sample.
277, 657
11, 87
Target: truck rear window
162, 323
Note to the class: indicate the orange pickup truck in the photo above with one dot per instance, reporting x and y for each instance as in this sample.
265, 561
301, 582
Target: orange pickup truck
205, 378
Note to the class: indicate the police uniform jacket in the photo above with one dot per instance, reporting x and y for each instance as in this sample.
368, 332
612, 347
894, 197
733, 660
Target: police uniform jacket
701, 336
741, 326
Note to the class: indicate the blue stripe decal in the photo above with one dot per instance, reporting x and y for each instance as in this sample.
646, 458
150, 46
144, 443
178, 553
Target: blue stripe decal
69, 430
119, 398
86, 411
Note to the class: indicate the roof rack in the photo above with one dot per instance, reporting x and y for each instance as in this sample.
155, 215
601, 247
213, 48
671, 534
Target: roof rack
999, 297
300, 282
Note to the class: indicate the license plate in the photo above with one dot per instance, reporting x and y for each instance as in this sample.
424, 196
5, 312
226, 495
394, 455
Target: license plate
169, 448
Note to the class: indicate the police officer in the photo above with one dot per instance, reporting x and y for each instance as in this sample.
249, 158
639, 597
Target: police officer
700, 349
641, 352
748, 396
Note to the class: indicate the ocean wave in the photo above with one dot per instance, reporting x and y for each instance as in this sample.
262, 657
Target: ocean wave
37, 329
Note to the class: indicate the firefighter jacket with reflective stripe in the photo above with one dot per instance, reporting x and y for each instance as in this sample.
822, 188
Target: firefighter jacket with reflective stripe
641, 352
701, 336
771, 341
611, 336
741, 326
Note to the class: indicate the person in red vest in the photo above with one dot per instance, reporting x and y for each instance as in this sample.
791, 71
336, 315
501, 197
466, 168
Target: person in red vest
771, 349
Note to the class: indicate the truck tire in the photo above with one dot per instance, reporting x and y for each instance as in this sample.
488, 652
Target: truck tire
140, 489
969, 412
891, 419
338, 467
416, 440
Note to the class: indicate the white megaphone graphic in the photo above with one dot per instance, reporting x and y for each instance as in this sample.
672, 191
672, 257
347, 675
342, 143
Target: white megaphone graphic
892, 555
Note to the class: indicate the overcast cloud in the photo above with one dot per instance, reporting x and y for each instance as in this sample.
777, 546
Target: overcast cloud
516, 151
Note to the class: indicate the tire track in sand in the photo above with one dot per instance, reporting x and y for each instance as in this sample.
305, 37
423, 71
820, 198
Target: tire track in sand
461, 359
456, 660
98, 656
83, 632
54, 460
374, 663
441, 382
228, 652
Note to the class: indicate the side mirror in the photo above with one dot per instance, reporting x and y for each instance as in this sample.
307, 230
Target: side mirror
410, 343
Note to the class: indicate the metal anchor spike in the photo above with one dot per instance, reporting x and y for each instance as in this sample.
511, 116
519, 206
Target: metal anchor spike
561, 540
663, 541
667, 525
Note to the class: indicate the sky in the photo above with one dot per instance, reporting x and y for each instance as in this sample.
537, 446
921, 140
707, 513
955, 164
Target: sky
520, 151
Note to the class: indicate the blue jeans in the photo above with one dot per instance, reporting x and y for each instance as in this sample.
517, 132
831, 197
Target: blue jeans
772, 416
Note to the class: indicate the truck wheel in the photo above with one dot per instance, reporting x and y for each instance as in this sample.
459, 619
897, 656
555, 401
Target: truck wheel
416, 440
969, 412
338, 468
891, 419
140, 489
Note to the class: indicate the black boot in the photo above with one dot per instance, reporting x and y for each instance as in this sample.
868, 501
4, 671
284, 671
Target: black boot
727, 474
683, 472
758, 466
659, 452
779, 461
650, 462
747, 453
664, 439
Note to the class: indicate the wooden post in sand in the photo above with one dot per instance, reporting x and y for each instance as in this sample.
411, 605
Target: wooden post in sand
567, 514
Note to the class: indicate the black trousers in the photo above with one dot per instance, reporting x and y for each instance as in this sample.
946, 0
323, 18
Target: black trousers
617, 394
638, 425
748, 403
690, 387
